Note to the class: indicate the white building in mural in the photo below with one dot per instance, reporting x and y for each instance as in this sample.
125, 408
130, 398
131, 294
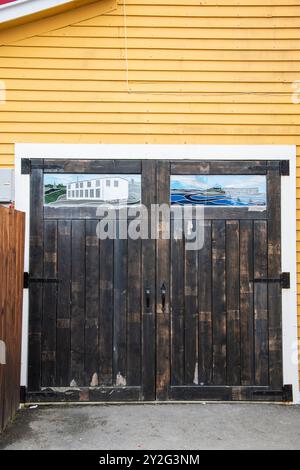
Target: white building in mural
112, 188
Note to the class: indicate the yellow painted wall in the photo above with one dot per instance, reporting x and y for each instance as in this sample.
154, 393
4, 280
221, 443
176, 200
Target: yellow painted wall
219, 72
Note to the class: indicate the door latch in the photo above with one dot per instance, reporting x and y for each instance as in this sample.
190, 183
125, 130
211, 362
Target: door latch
163, 291
147, 297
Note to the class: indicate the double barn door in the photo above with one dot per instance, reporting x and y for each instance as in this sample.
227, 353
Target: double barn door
142, 318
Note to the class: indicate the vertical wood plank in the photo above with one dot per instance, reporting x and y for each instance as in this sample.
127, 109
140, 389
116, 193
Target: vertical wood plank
163, 277
63, 332
120, 310
205, 308
3, 271
219, 302
50, 303
134, 352
274, 270
177, 308
92, 290
233, 303
9, 384
18, 303
246, 302
78, 302
36, 270
106, 311
148, 282
191, 316
261, 303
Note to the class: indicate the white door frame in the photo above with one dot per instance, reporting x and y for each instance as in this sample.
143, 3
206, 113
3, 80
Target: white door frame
204, 152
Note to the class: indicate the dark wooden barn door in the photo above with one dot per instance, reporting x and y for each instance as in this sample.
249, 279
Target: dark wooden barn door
219, 336
92, 333
144, 319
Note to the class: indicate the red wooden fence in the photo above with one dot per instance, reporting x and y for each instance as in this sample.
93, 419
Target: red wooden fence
12, 227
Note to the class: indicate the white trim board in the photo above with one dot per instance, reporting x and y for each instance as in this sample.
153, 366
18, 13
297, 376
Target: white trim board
20, 8
208, 152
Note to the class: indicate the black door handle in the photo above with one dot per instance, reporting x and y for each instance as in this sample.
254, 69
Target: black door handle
163, 291
147, 296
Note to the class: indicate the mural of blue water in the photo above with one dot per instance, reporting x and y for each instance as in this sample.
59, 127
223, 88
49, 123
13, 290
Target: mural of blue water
219, 190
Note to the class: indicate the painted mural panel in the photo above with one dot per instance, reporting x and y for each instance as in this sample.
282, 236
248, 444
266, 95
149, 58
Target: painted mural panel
219, 190
71, 189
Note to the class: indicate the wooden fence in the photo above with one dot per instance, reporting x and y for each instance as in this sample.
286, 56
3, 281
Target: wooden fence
12, 228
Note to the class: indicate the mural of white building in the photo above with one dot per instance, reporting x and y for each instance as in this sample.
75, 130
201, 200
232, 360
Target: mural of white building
112, 188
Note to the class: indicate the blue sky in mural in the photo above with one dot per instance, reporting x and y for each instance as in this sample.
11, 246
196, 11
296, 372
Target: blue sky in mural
225, 181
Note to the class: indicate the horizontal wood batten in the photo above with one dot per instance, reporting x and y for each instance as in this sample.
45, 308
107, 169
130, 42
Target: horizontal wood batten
101, 394
225, 393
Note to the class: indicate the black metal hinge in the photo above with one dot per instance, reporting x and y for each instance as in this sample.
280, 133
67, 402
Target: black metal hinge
25, 166
285, 168
28, 280
284, 280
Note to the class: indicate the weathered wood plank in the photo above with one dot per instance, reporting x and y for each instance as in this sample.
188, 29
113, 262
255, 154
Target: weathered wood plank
49, 305
78, 304
233, 303
219, 302
274, 270
162, 278
177, 307
226, 393
85, 394
120, 310
106, 312
63, 322
246, 302
149, 283
216, 167
134, 317
99, 166
36, 270
261, 304
191, 315
205, 308
92, 300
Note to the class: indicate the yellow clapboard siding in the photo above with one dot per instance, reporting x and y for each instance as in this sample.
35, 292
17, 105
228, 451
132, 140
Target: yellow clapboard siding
32, 88
29, 137
164, 54
142, 76
114, 96
213, 73
191, 22
150, 107
6, 149
16, 65
156, 43
175, 33
155, 118
6, 160
150, 128
256, 11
